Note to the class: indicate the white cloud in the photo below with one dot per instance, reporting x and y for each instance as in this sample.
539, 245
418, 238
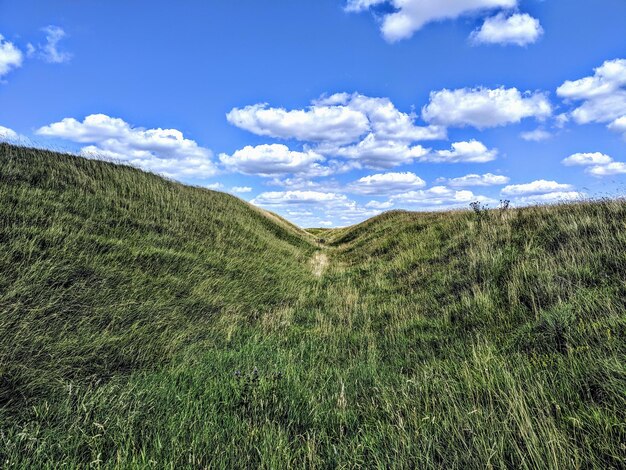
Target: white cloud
353, 213
535, 188
556, 196
318, 123
361, 5
164, 151
371, 132
386, 183
613, 168
10, 57
608, 78
437, 198
538, 135
296, 182
483, 107
94, 128
283, 198
560, 120
273, 159
379, 205
411, 15
299, 213
541, 192
241, 189
603, 96
50, 50
619, 125
12, 137
308, 208
386, 122
584, 159
214, 186
598, 164
488, 179
519, 29
608, 108
8, 135
339, 118
377, 154
472, 151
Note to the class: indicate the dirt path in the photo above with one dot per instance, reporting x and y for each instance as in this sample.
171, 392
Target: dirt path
319, 262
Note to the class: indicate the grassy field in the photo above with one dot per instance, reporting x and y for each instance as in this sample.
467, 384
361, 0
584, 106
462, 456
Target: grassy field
147, 324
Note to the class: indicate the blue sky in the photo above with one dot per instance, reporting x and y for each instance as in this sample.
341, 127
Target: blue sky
329, 111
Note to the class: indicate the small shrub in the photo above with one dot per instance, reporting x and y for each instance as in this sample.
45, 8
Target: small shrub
480, 210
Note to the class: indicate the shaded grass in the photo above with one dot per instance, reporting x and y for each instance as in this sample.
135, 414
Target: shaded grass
149, 324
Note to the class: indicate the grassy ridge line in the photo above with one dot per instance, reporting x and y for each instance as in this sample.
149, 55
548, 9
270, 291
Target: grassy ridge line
149, 325
106, 269
533, 297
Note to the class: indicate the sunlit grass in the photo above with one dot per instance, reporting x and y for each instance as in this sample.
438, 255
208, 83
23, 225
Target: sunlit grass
149, 324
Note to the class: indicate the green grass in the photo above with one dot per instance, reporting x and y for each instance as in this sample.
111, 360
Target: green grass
147, 324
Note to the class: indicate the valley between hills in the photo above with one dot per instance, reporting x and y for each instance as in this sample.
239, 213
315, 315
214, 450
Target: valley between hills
149, 324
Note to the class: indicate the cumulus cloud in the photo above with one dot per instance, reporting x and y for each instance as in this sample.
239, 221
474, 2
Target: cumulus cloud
520, 29
272, 159
535, 188
164, 151
598, 164
556, 196
317, 123
608, 78
339, 118
308, 208
375, 153
603, 96
488, 179
299, 213
538, 135
541, 192
299, 182
380, 205
213, 186
12, 137
360, 5
595, 158
410, 16
619, 125
484, 107
437, 198
281, 198
472, 151
241, 189
386, 183
602, 109
10, 57
613, 168
8, 135
386, 122
49, 51
371, 132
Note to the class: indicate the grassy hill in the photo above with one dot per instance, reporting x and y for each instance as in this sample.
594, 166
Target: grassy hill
148, 324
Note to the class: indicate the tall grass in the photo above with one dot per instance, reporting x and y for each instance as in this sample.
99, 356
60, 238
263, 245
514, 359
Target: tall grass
148, 324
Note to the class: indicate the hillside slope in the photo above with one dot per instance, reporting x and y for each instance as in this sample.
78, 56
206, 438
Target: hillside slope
106, 269
148, 324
